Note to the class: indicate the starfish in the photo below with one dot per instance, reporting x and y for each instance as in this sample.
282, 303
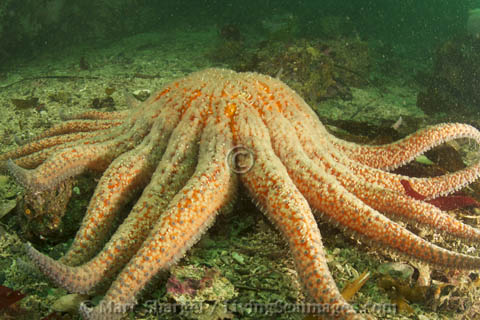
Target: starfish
190, 145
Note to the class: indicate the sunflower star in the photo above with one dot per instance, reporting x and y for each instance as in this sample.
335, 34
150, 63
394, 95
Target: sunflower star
175, 147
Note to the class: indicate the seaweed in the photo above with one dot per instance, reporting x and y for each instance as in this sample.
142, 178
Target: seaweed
445, 203
9, 296
354, 286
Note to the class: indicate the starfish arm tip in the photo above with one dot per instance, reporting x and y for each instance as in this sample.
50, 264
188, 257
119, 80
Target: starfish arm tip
31, 251
74, 279
20, 174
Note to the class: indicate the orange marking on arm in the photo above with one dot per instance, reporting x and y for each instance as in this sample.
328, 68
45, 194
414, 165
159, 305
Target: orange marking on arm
230, 110
161, 94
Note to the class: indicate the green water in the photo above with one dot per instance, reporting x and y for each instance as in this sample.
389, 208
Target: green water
30, 26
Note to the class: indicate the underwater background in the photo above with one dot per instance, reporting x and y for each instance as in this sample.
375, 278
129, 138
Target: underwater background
373, 71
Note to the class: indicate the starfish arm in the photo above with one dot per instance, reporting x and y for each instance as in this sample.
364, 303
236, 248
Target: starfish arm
190, 213
45, 143
33, 160
127, 173
78, 158
176, 166
431, 187
97, 115
66, 163
317, 146
30, 161
343, 208
364, 161
269, 184
316, 141
445, 184
50, 141
414, 211
324, 191
379, 198
398, 153
397, 204
314, 185
37, 151
110, 196
74, 126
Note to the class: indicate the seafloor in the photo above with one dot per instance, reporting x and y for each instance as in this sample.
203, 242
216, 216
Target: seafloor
252, 260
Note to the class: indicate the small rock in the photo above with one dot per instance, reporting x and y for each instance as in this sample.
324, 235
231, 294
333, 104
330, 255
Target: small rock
141, 94
69, 302
396, 270
238, 257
